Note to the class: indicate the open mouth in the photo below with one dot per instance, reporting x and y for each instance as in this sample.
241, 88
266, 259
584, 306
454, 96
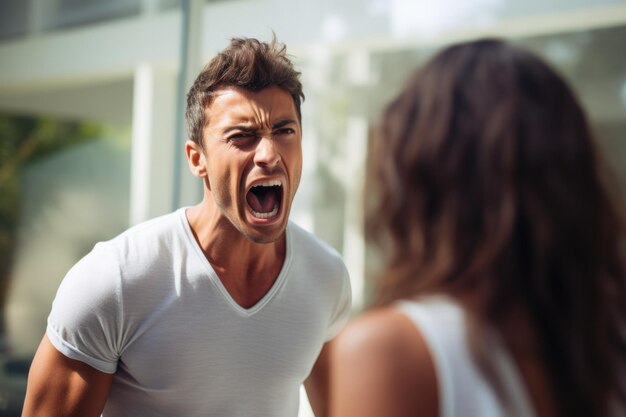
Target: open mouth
264, 199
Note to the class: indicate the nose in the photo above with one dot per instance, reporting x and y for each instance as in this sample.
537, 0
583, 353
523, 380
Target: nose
265, 154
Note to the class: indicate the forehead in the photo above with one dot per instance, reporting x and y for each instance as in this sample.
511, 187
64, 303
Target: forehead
235, 105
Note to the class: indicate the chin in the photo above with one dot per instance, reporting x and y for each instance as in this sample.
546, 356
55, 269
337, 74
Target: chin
265, 238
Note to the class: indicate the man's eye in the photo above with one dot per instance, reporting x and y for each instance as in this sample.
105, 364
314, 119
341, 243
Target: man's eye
240, 136
285, 131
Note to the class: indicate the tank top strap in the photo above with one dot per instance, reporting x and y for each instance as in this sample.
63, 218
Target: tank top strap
463, 389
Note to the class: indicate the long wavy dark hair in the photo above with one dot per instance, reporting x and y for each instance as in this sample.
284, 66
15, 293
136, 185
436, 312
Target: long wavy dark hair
489, 183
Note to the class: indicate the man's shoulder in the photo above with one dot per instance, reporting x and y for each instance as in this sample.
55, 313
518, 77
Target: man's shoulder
312, 255
146, 240
148, 229
307, 243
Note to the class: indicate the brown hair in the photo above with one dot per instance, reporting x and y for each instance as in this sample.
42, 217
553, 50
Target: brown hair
246, 63
489, 184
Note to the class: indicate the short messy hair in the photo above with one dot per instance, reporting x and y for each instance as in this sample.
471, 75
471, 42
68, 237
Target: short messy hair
247, 63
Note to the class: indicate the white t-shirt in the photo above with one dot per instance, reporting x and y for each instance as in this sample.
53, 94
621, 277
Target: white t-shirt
464, 391
148, 307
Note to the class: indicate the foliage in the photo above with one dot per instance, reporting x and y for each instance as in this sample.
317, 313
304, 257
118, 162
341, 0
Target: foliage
24, 139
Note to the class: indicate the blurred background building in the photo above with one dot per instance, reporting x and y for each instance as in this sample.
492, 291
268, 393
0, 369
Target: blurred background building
91, 102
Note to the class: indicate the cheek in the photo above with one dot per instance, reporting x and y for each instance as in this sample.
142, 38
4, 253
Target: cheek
220, 178
296, 167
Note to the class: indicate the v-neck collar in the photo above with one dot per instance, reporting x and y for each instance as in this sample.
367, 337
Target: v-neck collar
269, 295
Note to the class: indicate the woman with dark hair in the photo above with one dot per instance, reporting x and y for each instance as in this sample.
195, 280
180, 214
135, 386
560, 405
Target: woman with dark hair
504, 290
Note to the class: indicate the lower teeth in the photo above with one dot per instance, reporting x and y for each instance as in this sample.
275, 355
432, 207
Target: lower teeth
265, 215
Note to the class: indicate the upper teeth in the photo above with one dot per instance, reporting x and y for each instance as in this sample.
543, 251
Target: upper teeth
270, 183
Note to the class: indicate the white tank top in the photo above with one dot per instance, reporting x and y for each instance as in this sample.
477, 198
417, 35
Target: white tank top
463, 390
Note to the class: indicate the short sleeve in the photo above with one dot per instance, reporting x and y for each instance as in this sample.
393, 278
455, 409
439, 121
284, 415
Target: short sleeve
341, 312
84, 323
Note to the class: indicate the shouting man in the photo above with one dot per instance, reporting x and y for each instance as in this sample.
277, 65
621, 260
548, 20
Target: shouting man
221, 309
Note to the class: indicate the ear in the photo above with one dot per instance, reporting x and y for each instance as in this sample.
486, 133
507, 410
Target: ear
195, 159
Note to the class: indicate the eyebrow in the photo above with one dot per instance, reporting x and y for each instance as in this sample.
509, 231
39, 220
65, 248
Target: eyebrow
283, 123
252, 128
245, 128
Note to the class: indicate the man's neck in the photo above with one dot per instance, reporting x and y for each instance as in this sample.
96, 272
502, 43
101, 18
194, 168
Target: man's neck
247, 269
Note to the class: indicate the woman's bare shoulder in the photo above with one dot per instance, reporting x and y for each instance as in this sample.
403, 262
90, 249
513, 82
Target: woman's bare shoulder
382, 366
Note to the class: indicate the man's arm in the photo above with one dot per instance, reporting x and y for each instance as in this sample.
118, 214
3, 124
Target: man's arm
317, 383
60, 386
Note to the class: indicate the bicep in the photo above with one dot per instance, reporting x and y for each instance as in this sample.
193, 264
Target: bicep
317, 383
381, 367
60, 386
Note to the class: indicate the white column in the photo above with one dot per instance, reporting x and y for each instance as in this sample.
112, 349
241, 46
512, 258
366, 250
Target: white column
40, 13
152, 141
149, 7
353, 237
189, 188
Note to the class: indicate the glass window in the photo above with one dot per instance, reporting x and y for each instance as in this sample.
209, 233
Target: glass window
351, 86
13, 18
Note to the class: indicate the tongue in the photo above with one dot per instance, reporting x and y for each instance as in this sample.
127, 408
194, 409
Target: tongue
262, 203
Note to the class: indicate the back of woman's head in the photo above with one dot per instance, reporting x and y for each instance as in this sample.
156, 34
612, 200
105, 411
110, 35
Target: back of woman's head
489, 184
